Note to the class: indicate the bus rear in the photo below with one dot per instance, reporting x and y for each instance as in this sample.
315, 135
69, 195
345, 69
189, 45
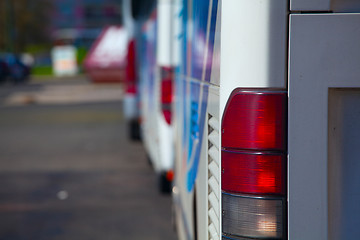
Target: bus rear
267, 120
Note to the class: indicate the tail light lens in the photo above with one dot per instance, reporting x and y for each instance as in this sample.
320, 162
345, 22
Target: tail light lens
130, 71
254, 172
170, 175
253, 162
260, 217
255, 120
131, 88
167, 76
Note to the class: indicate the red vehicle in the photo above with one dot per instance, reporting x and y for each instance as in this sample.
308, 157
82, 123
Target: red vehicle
106, 60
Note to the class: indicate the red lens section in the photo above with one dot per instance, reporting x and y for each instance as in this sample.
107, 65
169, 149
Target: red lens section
255, 120
130, 70
131, 88
254, 173
167, 76
167, 115
170, 175
166, 91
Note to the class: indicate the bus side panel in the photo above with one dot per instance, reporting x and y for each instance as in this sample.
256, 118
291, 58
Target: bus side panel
203, 19
148, 86
165, 19
199, 19
253, 45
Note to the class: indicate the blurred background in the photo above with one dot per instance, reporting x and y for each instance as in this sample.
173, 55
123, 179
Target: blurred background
70, 167
35, 27
31, 29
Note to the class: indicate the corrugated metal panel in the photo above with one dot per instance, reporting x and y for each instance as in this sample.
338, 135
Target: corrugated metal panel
213, 179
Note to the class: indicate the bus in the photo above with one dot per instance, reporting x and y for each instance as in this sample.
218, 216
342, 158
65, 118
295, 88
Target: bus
266, 119
156, 83
134, 14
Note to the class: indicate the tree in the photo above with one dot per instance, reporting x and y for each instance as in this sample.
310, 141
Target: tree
24, 22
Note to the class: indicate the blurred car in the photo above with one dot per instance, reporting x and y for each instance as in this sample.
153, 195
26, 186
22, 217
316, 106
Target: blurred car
4, 71
17, 71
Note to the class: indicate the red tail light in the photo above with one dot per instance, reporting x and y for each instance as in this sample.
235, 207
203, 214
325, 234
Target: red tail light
131, 88
254, 172
167, 76
255, 120
170, 175
253, 161
130, 71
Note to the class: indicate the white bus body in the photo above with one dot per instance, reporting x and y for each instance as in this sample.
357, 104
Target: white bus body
156, 86
267, 122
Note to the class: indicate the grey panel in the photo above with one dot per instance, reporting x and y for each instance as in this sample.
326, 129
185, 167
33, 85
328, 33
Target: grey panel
344, 164
324, 53
338, 6
310, 5
345, 6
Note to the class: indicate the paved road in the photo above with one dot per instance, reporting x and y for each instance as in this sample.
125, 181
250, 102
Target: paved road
67, 170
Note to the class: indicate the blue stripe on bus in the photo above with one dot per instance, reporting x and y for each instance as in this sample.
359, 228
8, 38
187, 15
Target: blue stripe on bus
199, 42
192, 117
196, 138
211, 43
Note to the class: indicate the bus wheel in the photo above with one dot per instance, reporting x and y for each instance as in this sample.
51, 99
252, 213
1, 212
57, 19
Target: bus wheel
195, 216
134, 130
165, 186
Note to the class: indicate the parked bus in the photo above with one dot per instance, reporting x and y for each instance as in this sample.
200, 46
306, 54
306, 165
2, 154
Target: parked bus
134, 14
156, 91
267, 121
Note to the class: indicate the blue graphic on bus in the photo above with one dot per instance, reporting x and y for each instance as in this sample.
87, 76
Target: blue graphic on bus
196, 62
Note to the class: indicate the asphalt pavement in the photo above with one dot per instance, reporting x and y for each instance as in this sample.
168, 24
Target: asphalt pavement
67, 169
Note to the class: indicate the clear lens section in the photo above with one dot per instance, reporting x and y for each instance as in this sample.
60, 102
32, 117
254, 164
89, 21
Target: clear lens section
252, 217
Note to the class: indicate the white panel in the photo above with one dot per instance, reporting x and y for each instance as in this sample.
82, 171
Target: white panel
214, 123
214, 219
201, 191
213, 199
164, 31
213, 168
166, 145
214, 138
176, 32
324, 53
253, 45
214, 185
310, 5
213, 233
214, 154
